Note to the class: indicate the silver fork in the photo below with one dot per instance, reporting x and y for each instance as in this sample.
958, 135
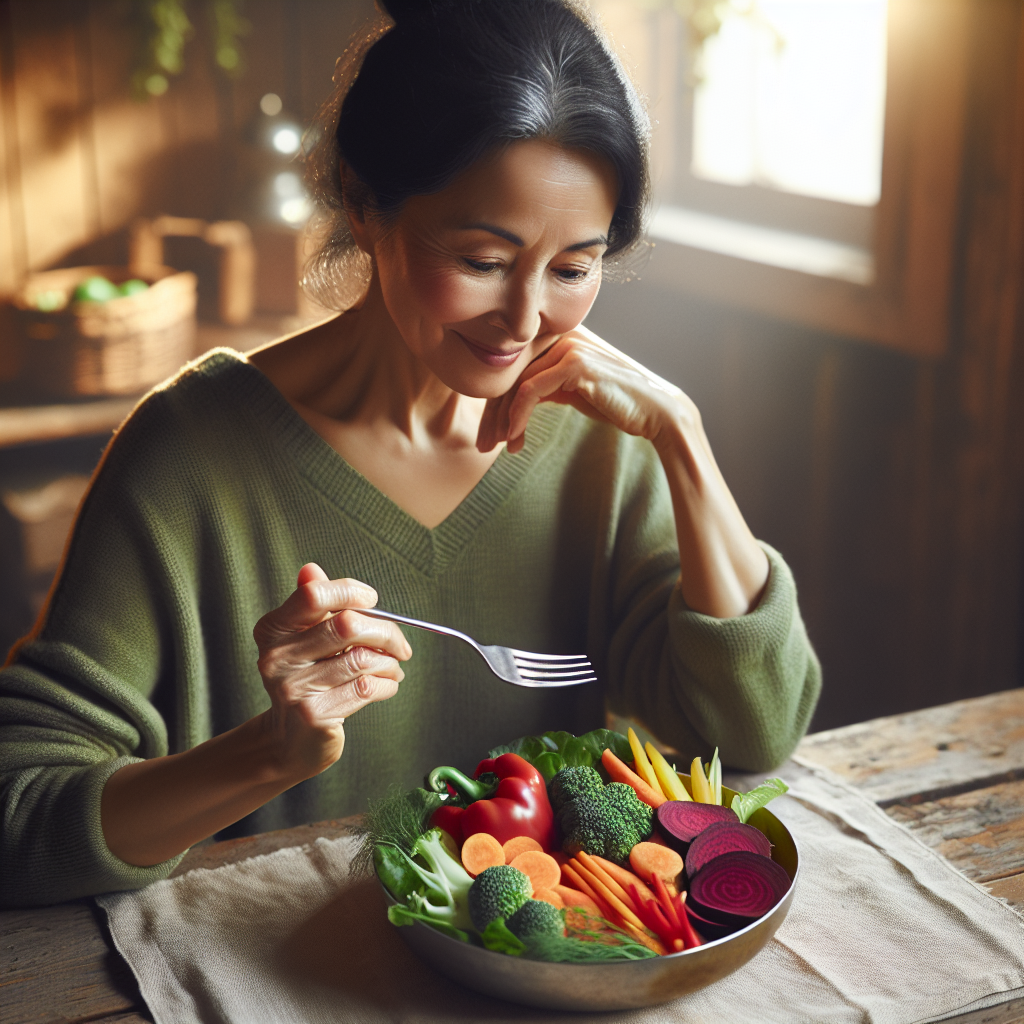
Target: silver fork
521, 668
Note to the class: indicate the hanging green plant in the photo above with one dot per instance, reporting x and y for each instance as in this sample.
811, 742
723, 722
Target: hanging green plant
164, 28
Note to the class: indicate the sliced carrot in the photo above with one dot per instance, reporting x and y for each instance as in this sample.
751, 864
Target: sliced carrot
650, 860
549, 896
481, 851
518, 845
542, 868
571, 877
575, 898
625, 878
620, 773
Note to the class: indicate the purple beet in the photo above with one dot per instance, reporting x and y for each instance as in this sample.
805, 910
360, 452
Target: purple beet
737, 888
709, 930
680, 821
724, 837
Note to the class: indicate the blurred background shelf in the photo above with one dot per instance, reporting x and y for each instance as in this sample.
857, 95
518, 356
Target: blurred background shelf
24, 422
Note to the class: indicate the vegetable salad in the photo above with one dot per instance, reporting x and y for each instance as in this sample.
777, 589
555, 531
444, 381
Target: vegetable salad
576, 849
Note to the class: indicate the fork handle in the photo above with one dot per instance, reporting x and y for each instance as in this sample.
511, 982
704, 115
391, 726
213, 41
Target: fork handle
380, 613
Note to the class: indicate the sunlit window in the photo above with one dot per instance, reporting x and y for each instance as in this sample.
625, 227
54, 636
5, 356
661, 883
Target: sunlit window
767, 137
792, 96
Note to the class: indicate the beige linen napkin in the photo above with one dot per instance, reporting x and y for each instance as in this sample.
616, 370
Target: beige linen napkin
881, 930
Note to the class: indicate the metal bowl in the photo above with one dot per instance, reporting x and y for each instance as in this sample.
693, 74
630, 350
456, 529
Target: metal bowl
609, 986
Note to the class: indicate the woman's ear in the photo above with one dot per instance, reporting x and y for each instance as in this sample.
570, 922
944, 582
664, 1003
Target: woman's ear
353, 197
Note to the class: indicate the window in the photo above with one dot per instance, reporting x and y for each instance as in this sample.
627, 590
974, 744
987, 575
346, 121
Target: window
806, 162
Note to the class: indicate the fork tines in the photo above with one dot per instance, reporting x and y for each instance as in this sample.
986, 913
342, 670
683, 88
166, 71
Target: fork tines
554, 669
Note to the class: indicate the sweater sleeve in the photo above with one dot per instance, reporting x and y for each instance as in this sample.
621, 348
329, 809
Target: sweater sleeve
747, 685
76, 699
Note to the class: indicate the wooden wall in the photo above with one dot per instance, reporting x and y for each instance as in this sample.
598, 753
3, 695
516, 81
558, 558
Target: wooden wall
79, 158
893, 484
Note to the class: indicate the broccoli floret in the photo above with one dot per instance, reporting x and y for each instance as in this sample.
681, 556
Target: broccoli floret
444, 896
571, 783
608, 823
624, 799
535, 917
587, 823
497, 892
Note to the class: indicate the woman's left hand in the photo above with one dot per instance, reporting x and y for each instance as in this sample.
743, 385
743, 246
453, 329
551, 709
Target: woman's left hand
584, 371
723, 571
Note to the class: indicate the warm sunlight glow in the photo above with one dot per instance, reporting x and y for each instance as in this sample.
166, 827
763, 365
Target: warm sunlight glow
793, 98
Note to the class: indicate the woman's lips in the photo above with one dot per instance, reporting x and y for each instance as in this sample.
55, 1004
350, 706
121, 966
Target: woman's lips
489, 356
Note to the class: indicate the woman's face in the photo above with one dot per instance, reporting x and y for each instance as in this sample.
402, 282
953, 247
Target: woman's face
484, 276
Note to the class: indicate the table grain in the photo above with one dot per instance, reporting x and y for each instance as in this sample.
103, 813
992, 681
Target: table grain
953, 775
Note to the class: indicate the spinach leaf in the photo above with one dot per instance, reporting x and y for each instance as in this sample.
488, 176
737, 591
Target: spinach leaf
600, 740
549, 764
527, 747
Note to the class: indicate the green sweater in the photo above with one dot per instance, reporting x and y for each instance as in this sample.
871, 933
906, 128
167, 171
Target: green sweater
207, 502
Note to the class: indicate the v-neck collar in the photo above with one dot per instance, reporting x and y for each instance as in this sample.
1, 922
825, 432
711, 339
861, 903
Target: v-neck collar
429, 550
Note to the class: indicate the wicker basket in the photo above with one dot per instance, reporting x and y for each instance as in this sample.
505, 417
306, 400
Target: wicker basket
119, 347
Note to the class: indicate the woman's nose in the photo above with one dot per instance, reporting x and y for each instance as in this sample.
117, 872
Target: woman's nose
521, 314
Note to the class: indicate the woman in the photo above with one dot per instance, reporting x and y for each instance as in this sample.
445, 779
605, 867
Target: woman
456, 445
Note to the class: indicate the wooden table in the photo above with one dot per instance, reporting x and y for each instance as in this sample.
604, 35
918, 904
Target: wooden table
953, 774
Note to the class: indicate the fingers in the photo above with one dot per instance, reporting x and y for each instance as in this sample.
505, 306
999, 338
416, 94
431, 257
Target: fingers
315, 598
345, 700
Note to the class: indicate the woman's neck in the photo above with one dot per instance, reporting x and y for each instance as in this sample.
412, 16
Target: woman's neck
357, 370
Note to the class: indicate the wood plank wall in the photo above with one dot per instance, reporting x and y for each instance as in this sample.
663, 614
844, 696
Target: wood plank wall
892, 484
79, 158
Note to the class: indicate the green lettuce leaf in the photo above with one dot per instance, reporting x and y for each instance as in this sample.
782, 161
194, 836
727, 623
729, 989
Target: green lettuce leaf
744, 804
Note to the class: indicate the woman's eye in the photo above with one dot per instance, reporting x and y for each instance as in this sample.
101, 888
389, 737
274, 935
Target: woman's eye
480, 266
573, 273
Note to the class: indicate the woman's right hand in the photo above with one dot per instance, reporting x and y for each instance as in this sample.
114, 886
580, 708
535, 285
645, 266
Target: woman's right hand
321, 661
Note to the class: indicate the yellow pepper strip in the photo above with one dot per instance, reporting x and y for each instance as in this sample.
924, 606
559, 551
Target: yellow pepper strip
699, 783
642, 766
670, 784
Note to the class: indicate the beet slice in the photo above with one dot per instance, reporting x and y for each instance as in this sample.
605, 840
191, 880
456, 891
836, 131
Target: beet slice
737, 888
709, 930
723, 837
680, 821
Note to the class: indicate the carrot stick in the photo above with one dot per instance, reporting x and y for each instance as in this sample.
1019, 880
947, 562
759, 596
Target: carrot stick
666, 901
626, 878
628, 916
605, 876
620, 773
651, 943
574, 898
576, 881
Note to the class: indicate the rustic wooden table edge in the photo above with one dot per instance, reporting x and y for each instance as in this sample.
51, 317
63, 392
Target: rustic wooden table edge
927, 768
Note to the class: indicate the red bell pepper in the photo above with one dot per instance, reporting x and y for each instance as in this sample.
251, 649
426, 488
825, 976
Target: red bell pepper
515, 805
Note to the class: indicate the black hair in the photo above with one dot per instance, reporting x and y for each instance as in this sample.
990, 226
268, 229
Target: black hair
454, 79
